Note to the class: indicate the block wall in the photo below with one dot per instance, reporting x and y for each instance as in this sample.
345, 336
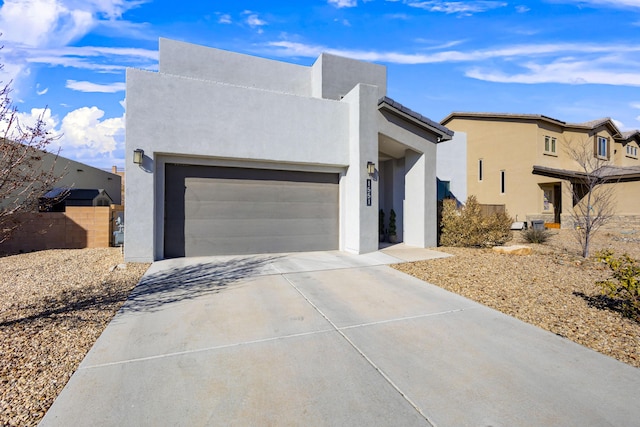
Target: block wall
78, 227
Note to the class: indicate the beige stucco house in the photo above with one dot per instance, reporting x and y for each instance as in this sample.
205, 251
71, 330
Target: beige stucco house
520, 160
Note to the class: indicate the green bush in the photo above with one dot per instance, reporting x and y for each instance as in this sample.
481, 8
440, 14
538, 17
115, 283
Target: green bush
467, 226
624, 285
533, 235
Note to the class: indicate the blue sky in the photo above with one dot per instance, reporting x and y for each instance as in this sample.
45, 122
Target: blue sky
572, 60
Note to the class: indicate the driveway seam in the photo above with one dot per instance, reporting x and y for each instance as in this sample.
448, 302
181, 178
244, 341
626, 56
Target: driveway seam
200, 350
363, 355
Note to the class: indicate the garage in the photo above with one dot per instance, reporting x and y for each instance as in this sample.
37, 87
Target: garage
211, 210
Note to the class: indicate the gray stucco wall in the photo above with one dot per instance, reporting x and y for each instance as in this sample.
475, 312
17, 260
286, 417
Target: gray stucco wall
335, 76
200, 62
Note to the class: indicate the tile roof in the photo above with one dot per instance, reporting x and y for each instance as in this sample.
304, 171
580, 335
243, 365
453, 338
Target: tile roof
425, 120
593, 124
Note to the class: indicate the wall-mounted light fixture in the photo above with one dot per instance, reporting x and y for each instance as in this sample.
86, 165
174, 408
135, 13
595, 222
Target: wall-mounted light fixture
138, 155
371, 168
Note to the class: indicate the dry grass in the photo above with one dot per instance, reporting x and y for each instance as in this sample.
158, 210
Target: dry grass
554, 288
55, 305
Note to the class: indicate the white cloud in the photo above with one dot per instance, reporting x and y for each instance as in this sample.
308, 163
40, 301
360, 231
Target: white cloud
42, 23
35, 31
85, 132
343, 3
611, 3
522, 9
43, 91
255, 22
606, 70
95, 87
26, 120
635, 105
224, 19
568, 63
464, 8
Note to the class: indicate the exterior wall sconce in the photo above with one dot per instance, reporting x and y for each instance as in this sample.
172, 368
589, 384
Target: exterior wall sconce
371, 168
138, 155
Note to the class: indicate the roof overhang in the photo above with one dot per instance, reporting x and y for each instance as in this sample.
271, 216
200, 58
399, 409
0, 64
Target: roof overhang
389, 105
606, 174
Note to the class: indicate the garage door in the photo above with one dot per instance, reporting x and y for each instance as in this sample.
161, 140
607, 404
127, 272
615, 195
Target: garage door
228, 211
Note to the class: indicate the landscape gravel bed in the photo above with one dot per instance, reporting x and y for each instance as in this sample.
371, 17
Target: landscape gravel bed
553, 288
54, 305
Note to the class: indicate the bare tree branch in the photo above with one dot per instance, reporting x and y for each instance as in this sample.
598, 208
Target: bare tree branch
23, 174
592, 192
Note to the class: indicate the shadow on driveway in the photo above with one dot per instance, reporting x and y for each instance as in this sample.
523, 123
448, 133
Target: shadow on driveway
190, 281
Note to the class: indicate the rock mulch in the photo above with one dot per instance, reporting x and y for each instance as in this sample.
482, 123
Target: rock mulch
553, 288
54, 306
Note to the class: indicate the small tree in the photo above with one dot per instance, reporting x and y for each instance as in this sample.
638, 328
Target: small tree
592, 194
23, 176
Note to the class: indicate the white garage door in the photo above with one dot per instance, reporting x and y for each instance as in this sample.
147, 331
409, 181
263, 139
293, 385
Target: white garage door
228, 211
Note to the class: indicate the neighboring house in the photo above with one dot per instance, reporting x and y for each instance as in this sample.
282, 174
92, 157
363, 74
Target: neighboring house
249, 155
452, 168
76, 213
78, 176
520, 160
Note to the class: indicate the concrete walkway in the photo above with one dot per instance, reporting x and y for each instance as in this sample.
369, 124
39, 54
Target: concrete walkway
328, 338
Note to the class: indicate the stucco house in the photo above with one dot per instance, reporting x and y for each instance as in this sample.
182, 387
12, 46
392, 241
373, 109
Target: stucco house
239, 154
520, 160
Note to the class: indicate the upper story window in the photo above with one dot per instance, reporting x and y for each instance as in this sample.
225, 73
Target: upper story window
480, 171
503, 182
602, 147
632, 151
550, 145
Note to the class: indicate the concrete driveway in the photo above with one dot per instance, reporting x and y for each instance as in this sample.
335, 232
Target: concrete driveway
328, 338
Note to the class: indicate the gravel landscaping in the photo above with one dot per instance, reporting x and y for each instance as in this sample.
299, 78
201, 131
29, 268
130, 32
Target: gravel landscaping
54, 306
56, 303
553, 288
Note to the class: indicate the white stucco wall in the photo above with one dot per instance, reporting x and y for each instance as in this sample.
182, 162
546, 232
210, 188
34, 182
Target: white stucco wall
452, 165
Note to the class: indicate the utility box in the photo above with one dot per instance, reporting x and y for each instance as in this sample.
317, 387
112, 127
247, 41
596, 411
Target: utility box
537, 224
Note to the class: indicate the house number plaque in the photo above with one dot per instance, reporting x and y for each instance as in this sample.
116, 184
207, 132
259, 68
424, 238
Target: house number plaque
368, 192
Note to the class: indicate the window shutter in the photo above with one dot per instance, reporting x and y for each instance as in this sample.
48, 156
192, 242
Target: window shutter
595, 145
608, 149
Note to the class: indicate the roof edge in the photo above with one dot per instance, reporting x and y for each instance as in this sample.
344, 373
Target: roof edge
444, 132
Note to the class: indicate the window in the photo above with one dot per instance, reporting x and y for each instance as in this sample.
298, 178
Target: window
549, 145
480, 170
502, 182
632, 151
602, 147
444, 190
547, 198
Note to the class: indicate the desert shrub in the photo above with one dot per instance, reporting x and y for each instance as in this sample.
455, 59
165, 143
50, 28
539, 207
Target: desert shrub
624, 285
533, 235
467, 226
